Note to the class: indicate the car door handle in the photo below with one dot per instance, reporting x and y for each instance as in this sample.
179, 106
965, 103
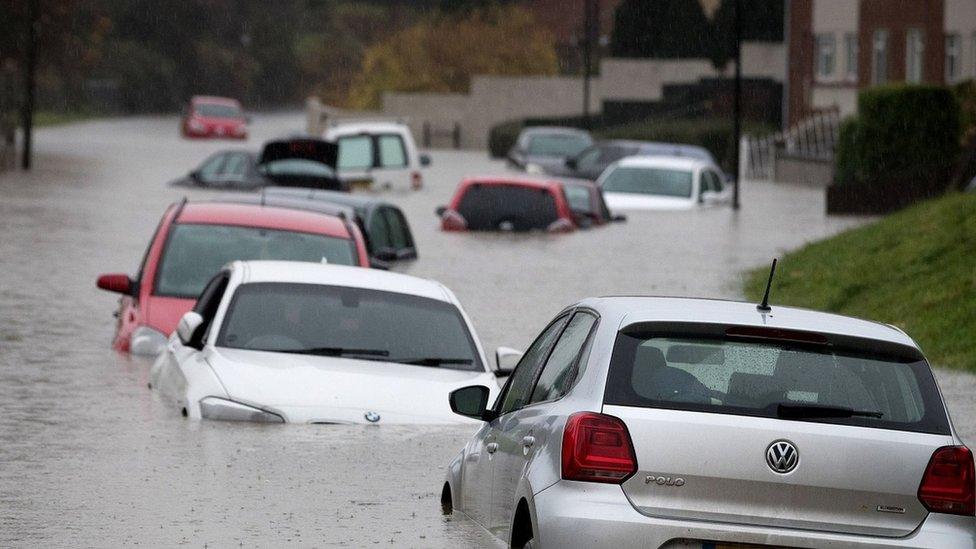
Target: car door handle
528, 441
492, 447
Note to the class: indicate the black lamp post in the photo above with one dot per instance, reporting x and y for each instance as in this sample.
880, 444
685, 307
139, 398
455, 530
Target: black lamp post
737, 100
30, 70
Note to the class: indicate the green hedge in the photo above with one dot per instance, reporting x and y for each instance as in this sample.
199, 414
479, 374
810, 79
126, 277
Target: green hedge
714, 134
901, 133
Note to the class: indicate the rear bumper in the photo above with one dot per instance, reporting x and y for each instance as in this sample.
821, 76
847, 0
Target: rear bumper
577, 514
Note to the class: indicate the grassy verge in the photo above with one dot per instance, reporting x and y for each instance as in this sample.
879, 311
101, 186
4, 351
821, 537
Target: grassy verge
915, 269
51, 118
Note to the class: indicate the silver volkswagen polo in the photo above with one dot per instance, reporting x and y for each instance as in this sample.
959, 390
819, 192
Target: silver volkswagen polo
692, 423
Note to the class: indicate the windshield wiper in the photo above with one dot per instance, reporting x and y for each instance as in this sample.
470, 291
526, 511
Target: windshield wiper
431, 361
799, 411
334, 351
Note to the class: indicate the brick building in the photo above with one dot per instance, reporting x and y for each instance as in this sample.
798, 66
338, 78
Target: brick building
837, 47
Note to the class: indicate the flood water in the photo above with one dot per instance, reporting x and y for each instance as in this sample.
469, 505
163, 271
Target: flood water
90, 458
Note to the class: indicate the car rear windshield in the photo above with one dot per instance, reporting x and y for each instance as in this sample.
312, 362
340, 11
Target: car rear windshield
770, 379
490, 207
557, 145
651, 181
194, 253
348, 322
215, 110
298, 166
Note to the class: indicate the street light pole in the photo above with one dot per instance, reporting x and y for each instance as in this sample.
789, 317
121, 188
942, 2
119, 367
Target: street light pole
737, 101
587, 59
30, 70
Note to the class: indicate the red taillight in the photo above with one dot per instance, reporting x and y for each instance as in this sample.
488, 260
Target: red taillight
416, 180
453, 221
948, 485
597, 448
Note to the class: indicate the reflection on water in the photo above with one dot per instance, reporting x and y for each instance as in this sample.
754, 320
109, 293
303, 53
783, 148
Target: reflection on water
90, 457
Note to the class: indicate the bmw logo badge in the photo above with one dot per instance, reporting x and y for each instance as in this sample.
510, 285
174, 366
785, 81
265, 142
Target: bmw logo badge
372, 417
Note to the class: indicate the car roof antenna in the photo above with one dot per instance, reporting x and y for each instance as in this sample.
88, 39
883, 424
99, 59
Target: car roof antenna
764, 306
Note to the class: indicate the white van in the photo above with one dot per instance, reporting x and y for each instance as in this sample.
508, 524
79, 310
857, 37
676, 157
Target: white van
377, 154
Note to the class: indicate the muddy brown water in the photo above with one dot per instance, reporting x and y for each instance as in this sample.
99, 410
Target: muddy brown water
90, 458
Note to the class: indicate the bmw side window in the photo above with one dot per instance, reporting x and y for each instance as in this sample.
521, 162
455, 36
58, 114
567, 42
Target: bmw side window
559, 373
523, 378
235, 166
379, 231
399, 235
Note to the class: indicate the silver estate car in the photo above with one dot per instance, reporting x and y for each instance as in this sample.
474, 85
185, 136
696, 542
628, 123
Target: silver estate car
706, 424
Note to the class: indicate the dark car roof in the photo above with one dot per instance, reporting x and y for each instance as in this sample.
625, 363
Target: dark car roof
565, 130
675, 149
358, 202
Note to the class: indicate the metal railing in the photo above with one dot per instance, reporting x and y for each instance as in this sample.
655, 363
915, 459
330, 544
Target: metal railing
814, 138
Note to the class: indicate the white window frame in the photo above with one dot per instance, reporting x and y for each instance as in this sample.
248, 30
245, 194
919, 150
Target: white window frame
826, 60
879, 52
953, 57
914, 55
851, 51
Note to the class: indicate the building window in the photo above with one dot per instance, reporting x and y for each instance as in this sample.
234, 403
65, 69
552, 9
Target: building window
850, 50
952, 58
879, 57
914, 55
826, 56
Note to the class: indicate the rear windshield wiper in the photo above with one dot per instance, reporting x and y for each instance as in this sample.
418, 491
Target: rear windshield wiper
800, 411
431, 361
334, 351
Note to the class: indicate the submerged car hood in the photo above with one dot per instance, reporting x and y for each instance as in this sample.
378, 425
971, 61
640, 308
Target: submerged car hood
633, 201
307, 388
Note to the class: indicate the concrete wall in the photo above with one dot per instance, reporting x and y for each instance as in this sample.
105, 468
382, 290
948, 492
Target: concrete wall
813, 173
842, 97
495, 99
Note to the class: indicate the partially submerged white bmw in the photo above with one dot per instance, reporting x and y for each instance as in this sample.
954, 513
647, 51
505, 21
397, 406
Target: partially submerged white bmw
281, 341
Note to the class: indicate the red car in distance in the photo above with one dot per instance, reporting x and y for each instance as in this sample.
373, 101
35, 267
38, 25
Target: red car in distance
194, 240
523, 203
209, 116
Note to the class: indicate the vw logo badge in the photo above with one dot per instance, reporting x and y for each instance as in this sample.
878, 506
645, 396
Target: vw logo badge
782, 456
371, 417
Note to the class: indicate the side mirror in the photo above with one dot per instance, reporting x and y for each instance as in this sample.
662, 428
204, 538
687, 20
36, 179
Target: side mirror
440, 211
186, 330
118, 283
505, 360
425, 160
195, 175
470, 401
571, 163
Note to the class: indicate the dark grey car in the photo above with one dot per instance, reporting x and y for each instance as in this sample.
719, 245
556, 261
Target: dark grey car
591, 162
540, 148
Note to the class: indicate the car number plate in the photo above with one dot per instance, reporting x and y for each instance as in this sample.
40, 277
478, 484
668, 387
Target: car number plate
361, 184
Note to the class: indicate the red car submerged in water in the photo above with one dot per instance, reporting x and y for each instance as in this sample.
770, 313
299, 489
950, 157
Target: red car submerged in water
209, 116
194, 240
524, 203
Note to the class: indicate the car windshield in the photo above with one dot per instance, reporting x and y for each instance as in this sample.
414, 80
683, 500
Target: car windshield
557, 144
348, 322
651, 181
195, 252
770, 379
217, 110
297, 166
489, 207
